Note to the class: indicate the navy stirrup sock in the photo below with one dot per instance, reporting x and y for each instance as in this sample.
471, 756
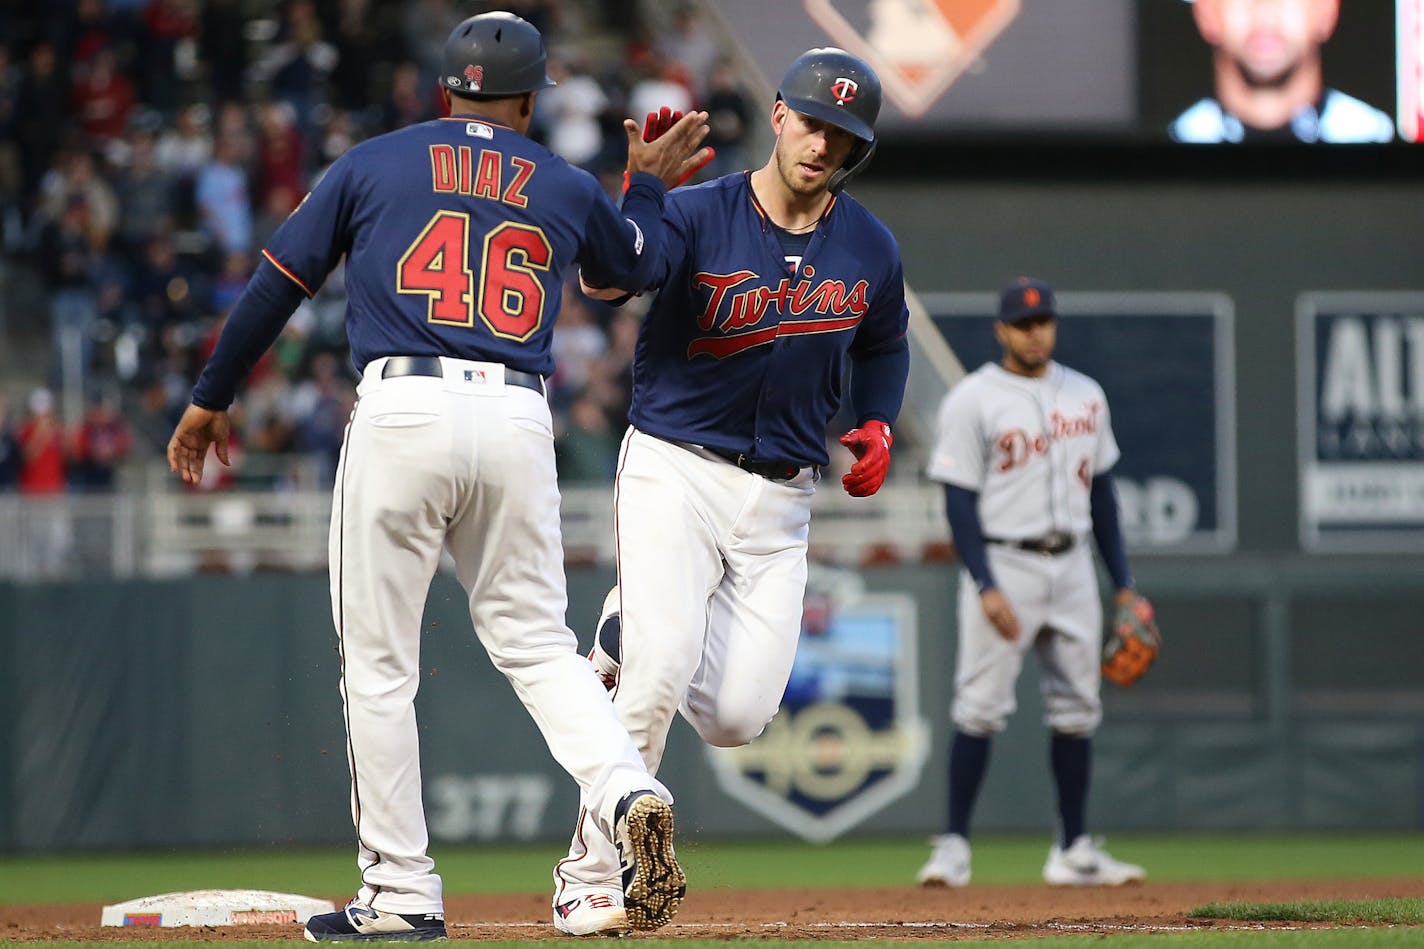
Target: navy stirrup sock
1071, 756
968, 763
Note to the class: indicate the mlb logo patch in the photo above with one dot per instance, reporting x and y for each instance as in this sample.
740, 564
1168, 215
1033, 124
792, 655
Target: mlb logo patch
474, 375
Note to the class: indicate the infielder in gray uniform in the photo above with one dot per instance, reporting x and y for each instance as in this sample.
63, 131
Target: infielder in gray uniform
1025, 449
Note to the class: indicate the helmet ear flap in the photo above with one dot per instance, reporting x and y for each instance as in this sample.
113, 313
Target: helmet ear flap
855, 163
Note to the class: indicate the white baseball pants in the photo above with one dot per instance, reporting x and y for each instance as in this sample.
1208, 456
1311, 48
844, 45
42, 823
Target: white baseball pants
468, 462
1060, 618
712, 574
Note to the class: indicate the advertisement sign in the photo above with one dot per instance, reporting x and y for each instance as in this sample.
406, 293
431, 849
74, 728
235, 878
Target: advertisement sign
848, 738
1360, 411
1167, 364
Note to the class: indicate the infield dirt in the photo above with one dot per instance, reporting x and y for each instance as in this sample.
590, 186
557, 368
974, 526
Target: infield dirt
900, 913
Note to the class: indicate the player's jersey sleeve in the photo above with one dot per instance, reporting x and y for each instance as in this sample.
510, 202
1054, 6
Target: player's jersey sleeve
624, 247
311, 241
888, 318
1106, 452
959, 452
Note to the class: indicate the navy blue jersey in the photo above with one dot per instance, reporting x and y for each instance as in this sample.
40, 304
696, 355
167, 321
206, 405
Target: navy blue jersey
741, 352
458, 233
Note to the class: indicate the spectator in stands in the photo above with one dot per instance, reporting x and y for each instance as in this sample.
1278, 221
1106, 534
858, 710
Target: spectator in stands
169, 294
224, 207
48, 534
274, 210
41, 440
692, 47
323, 406
587, 446
102, 97
578, 341
185, 148
572, 111
660, 82
68, 258
40, 104
299, 64
729, 115
100, 443
280, 153
168, 23
148, 195
408, 102
424, 26
74, 179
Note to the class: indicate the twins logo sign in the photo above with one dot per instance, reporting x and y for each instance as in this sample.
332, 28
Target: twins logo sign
848, 739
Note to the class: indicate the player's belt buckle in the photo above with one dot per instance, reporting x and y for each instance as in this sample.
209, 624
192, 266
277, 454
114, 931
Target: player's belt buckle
1054, 543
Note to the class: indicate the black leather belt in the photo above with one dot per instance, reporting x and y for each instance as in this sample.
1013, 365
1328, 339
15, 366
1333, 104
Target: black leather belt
770, 470
1051, 544
430, 366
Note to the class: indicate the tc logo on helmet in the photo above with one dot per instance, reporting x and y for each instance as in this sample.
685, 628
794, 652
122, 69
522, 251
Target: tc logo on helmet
844, 89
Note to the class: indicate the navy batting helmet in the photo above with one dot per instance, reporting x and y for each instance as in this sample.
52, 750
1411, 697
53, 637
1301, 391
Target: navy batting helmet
832, 85
494, 56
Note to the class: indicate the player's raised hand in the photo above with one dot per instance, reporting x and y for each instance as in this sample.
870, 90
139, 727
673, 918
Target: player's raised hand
871, 446
672, 152
188, 448
998, 611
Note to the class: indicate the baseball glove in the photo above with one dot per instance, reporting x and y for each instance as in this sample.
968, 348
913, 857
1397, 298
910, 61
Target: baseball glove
1133, 643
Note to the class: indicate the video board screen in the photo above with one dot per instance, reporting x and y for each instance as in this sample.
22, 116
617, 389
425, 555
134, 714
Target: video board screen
1133, 71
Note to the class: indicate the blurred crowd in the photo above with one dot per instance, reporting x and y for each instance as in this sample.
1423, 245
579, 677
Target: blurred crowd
149, 148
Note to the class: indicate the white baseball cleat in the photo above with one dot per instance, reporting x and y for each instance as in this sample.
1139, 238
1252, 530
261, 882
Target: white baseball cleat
949, 862
592, 913
1086, 863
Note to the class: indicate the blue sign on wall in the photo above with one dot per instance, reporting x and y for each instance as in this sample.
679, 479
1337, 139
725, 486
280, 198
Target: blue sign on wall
1360, 412
1166, 362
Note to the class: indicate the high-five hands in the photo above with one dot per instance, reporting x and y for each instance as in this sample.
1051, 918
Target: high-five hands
667, 146
871, 446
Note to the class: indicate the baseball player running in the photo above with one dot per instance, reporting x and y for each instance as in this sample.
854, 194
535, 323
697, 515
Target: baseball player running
775, 283
458, 232
1025, 449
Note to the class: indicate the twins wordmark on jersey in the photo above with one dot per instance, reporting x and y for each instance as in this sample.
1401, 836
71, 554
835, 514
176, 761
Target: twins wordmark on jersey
837, 307
739, 318
1029, 446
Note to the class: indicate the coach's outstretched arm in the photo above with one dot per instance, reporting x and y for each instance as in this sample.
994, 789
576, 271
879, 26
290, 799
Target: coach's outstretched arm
607, 256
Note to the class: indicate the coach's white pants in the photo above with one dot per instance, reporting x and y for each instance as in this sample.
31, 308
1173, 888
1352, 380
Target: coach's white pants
467, 462
1060, 618
712, 574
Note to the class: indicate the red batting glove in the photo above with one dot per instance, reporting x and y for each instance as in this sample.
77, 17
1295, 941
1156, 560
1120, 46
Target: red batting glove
655, 125
871, 446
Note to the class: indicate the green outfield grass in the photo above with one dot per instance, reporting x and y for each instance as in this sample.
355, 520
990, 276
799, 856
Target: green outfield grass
109, 878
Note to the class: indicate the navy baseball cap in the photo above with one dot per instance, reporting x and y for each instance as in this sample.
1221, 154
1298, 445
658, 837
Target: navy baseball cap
1026, 297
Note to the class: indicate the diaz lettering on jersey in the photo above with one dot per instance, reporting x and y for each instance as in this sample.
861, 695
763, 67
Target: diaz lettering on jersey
1017, 447
455, 171
837, 306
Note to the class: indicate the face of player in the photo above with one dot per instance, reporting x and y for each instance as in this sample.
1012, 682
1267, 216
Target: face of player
1028, 344
808, 150
1269, 39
